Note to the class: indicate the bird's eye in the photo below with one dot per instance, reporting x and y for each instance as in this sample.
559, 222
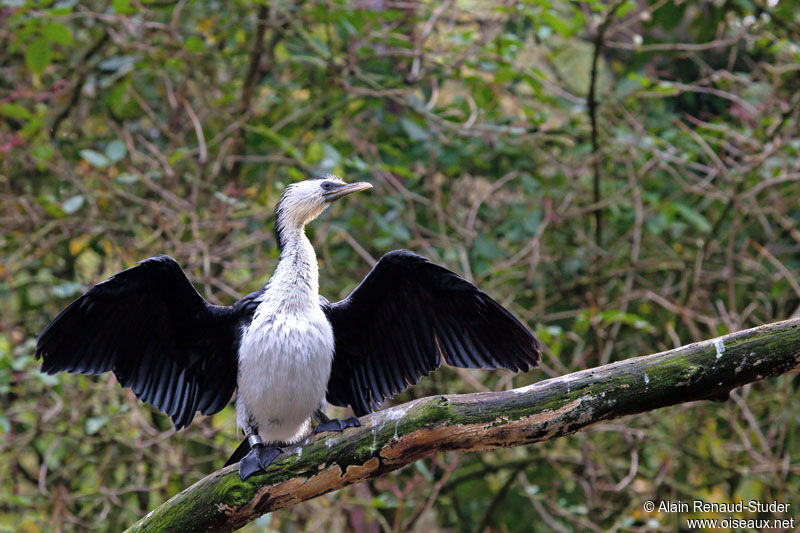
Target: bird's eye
327, 185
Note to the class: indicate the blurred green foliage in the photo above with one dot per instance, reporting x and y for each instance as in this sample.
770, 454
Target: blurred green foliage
135, 127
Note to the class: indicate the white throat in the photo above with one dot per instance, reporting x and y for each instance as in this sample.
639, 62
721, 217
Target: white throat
294, 286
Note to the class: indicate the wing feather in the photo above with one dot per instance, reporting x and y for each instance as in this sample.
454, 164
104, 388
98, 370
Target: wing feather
404, 319
150, 327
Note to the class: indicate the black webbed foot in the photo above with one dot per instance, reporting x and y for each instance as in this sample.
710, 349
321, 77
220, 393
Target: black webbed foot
259, 458
337, 425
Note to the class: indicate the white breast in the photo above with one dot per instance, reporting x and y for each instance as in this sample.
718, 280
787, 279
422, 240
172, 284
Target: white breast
284, 364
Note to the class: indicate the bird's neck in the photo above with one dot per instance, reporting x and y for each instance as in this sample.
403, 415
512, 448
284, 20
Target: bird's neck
295, 283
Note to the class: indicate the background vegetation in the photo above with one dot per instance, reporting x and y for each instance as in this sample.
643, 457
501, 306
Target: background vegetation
624, 176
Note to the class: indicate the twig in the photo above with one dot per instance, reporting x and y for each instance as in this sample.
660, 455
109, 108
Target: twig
785, 272
599, 41
498, 499
253, 70
198, 131
83, 73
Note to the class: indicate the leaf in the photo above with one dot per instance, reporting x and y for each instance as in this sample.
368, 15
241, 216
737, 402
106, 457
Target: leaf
65, 290
95, 424
123, 7
120, 101
116, 150
282, 142
47, 379
58, 33
118, 64
127, 178
34, 125
505, 74
669, 15
695, 218
555, 22
629, 319
42, 153
414, 131
331, 158
15, 111
625, 8
486, 247
193, 44
72, 204
38, 55
50, 207
96, 159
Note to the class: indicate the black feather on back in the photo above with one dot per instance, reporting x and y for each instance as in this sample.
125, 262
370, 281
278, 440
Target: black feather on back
150, 327
405, 318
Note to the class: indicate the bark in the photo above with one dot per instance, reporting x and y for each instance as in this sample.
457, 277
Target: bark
395, 437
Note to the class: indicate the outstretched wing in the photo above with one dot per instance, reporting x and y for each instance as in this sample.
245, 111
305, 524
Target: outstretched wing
160, 337
407, 315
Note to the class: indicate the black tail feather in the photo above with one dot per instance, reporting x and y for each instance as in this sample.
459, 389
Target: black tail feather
241, 451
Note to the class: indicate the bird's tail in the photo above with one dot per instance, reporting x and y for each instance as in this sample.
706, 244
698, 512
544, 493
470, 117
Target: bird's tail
240, 452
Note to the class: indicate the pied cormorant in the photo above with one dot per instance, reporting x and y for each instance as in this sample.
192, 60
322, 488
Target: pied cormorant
285, 348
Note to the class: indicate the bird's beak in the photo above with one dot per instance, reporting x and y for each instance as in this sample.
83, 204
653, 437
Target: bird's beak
347, 188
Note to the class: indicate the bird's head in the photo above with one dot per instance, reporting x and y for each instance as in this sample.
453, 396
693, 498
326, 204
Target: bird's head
304, 201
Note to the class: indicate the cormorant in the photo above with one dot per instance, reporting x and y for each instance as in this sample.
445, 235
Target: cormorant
284, 347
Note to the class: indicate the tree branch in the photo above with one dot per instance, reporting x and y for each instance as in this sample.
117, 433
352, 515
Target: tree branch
395, 437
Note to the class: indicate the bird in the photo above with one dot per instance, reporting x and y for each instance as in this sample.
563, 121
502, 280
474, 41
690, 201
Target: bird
286, 350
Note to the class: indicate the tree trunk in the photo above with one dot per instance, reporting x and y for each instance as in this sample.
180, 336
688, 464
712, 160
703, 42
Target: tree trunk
395, 437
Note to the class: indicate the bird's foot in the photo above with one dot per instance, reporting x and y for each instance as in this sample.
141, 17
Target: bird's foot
259, 458
337, 425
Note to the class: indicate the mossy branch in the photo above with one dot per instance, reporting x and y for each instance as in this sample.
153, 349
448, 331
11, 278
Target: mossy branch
395, 437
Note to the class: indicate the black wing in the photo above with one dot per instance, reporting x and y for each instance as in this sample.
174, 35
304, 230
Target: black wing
406, 315
160, 337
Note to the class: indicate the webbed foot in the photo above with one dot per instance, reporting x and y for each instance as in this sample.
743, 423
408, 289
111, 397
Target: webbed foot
337, 425
259, 458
